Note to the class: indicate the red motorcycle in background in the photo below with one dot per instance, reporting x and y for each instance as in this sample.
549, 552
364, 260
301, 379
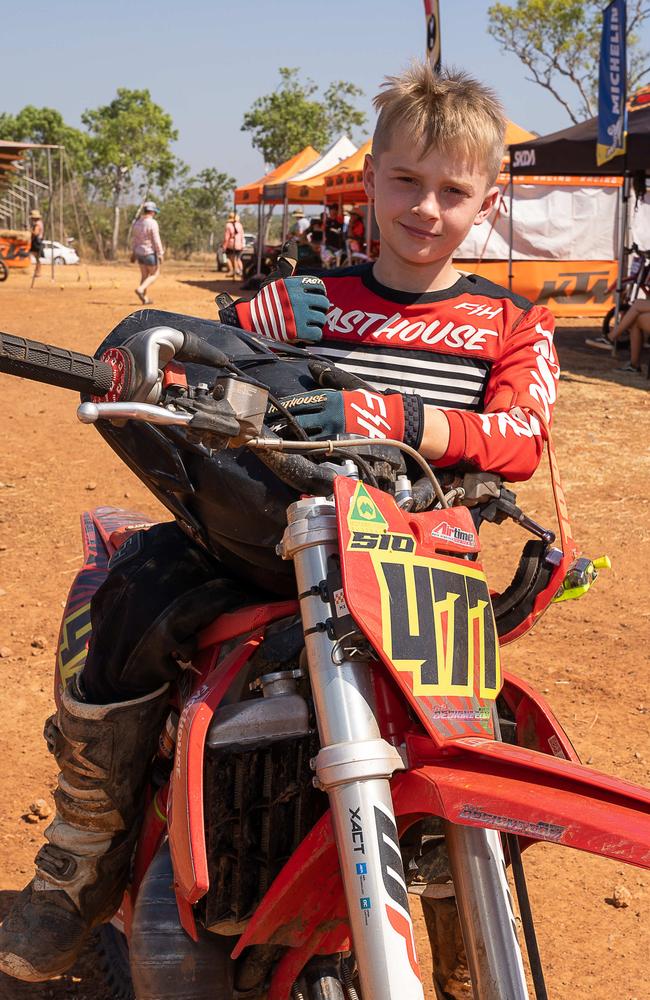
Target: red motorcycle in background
331, 754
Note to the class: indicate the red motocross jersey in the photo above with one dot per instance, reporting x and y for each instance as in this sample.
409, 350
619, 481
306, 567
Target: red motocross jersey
476, 350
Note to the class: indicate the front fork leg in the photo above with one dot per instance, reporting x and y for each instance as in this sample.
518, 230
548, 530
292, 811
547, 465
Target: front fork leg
487, 919
373, 876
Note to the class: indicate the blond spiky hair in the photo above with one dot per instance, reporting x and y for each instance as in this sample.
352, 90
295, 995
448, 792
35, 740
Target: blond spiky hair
447, 110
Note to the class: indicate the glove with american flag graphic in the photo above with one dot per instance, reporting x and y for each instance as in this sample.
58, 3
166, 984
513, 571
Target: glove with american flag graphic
288, 309
326, 413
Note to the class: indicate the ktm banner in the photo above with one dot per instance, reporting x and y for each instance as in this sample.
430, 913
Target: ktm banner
612, 110
568, 287
14, 247
434, 48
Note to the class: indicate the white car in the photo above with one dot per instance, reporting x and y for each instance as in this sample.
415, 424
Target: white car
59, 253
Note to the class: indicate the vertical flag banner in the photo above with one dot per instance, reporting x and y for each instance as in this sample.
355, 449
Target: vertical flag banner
612, 108
434, 49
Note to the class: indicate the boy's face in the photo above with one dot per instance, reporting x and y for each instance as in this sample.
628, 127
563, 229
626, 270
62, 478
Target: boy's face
425, 207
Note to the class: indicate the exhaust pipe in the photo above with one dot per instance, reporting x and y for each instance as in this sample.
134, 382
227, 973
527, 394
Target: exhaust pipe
165, 963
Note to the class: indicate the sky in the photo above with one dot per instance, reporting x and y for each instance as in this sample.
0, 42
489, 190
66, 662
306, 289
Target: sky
205, 61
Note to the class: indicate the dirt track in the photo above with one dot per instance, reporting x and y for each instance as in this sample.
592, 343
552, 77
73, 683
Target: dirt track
589, 657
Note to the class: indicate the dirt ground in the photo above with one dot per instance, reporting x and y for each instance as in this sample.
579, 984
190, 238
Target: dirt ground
590, 657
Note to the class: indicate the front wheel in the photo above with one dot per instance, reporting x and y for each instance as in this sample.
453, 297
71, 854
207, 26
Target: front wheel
4, 270
113, 960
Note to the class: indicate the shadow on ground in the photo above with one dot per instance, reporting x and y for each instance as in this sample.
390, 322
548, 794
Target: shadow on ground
84, 981
213, 285
592, 365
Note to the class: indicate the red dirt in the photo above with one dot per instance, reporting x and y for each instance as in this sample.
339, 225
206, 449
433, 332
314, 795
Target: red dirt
589, 657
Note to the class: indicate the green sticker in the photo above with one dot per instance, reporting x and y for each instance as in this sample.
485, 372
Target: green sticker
365, 512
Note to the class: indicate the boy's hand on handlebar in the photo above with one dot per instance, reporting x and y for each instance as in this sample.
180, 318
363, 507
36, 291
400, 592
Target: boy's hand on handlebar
290, 310
324, 413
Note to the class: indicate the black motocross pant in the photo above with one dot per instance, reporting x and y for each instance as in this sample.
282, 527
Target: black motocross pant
161, 590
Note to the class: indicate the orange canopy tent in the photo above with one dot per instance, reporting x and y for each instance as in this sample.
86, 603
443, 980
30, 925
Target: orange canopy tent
251, 194
345, 183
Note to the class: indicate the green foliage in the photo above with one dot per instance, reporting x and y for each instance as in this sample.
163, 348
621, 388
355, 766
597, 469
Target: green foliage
559, 43
130, 136
46, 126
192, 215
124, 156
292, 117
129, 143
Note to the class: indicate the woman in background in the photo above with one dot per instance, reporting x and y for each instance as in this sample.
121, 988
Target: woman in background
147, 249
233, 244
36, 246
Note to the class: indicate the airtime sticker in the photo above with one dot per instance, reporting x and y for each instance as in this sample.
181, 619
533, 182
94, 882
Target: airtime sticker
364, 513
438, 625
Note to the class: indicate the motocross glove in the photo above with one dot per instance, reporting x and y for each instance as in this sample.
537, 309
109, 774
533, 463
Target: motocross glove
324, 413
292, 310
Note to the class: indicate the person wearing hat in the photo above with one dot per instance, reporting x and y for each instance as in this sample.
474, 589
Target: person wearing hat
300, 223
147, 249
233, 244
36, 245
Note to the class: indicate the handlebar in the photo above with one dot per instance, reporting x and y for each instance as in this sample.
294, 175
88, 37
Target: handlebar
54, 365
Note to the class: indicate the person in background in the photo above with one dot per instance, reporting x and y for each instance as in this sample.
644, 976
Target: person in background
315, 233
357, 233
233, 244
300, 224
334, 228
637, 321
310, 248
38, 231
147, 249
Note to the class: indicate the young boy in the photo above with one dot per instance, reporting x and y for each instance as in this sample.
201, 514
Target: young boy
473, 363
473, 376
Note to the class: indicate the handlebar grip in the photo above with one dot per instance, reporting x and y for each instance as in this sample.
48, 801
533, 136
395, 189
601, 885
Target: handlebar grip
54, 365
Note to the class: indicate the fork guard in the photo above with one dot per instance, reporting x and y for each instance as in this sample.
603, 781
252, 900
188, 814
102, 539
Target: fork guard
472, 782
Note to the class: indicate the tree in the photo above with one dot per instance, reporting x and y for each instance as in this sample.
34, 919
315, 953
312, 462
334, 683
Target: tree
292, 117
192, 212
46, 126
558, 41
129, 142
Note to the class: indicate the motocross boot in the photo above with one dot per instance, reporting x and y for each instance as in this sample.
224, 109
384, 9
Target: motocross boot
103, 752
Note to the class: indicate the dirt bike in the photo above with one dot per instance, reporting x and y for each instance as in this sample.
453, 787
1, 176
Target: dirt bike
330, 754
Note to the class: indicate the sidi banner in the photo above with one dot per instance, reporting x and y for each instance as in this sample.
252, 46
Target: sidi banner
434, 51
612, 109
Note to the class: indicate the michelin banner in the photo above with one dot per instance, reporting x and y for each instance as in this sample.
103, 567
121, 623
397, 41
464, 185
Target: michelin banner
612, 110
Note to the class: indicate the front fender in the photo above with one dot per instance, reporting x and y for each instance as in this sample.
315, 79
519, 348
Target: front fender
477, 783
534, 795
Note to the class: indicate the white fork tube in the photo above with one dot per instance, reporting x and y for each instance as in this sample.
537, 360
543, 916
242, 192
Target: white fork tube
486, 913
353, 766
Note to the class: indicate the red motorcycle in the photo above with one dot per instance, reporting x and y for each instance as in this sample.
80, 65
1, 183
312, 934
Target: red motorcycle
332, 753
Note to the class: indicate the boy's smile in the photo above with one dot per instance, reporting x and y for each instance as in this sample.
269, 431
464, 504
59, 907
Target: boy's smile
424, 207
